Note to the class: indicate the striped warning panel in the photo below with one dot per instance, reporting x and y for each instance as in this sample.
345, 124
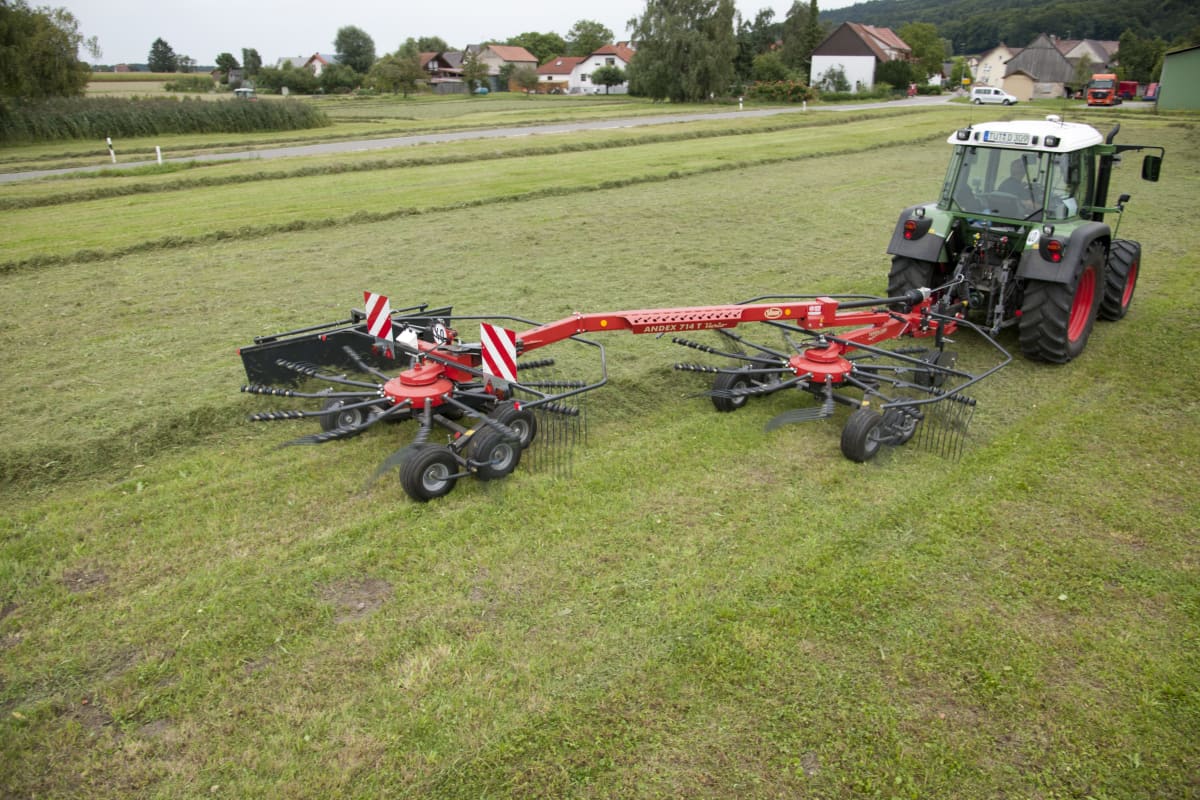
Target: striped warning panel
499, 351
379, 315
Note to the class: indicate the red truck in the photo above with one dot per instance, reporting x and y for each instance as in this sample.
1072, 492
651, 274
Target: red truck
1102, 90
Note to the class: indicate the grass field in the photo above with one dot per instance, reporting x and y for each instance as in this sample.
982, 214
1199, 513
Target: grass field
700, 609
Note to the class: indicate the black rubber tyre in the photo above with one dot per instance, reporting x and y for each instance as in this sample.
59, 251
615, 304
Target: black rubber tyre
522, 421
1120, 279
495, 455
910, 273
860, 437
725, 382
337, 417
429, 472
1057, 318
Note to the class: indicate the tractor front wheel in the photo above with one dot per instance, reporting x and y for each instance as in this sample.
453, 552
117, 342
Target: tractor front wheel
1057, 318
860, 437
1120, 279
429, 473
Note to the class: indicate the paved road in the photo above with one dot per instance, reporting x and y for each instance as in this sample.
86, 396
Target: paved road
367, 145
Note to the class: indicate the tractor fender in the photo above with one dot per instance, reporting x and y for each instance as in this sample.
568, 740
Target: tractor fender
927, 247
1034, 266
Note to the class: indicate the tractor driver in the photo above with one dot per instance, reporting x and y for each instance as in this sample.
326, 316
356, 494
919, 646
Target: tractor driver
1021, 185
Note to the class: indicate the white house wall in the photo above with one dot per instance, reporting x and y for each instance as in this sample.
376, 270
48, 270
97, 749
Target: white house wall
581, 76
858, 69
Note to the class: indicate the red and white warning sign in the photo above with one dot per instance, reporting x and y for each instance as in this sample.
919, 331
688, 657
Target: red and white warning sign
499, 351
379, 316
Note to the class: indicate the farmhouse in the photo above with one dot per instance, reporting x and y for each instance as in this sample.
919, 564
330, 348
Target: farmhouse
555, 76
856, 50
1040, 71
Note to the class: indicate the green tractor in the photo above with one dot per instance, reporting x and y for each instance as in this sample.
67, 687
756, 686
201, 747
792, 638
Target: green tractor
1019, 237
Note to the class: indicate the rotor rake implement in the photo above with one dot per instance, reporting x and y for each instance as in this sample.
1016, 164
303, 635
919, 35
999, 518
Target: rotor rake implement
481, 407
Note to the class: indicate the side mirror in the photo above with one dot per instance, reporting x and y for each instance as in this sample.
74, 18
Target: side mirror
1151, 165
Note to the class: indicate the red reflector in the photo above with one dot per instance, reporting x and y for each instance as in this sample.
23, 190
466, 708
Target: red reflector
1054, 248
910, 229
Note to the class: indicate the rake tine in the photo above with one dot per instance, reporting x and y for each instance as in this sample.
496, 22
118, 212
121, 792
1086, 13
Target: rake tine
364, 366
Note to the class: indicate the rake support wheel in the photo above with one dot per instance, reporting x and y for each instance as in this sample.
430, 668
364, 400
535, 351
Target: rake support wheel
520, 420
723, 385
494, 454
429, 473
860, 437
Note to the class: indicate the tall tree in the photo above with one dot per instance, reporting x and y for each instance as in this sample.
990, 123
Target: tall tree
586, 37
38, 52
754, 39
226, 62
685, 50
431, 44
801, 34
928, 47
399, 72
162, 57
251, 61
355, 48
543, 46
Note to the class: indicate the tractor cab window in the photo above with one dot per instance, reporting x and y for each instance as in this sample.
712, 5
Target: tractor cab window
997, 182
1069, 182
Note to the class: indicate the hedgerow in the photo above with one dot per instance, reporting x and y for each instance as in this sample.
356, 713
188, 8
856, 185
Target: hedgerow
781, 91
98, 117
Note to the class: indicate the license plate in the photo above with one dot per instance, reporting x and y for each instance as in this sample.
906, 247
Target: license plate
1006, 137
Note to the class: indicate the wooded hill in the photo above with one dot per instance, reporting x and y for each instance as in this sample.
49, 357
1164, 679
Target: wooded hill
975, 26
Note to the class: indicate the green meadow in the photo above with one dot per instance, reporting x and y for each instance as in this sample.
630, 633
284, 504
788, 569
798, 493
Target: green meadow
696, 608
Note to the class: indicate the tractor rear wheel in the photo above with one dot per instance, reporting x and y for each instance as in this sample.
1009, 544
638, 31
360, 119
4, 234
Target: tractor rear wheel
860, 437
910, 273
1057, 318
494, 454
429, 473
520, 420
1124, 258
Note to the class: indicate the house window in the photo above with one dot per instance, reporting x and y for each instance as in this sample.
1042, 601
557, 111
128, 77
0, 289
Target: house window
583, 78
612, 62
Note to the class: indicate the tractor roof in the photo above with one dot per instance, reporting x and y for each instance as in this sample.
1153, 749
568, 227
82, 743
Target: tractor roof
1050, 135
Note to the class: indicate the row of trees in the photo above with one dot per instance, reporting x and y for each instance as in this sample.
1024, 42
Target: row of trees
39, 53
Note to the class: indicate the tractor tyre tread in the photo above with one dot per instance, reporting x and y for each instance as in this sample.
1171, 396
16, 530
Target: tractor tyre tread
1120, 279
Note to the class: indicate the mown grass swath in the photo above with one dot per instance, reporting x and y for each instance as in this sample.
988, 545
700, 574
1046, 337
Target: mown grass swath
98, 117
700, 610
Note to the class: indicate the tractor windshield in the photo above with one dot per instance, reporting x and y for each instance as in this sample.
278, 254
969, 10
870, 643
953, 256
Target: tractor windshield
992, 181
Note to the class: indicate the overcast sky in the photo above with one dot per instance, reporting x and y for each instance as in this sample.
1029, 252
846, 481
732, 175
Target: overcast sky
202, 29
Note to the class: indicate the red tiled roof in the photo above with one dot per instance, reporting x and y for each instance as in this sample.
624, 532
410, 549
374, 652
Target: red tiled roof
559, 65
621, 50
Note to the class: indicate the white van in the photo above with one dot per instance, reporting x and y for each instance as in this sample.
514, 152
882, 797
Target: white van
990, 94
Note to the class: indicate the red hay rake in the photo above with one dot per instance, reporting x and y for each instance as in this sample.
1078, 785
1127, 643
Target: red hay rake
493, 403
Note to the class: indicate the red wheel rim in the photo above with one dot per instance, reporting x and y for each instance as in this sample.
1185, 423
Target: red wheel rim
1081, 309
1130, 281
